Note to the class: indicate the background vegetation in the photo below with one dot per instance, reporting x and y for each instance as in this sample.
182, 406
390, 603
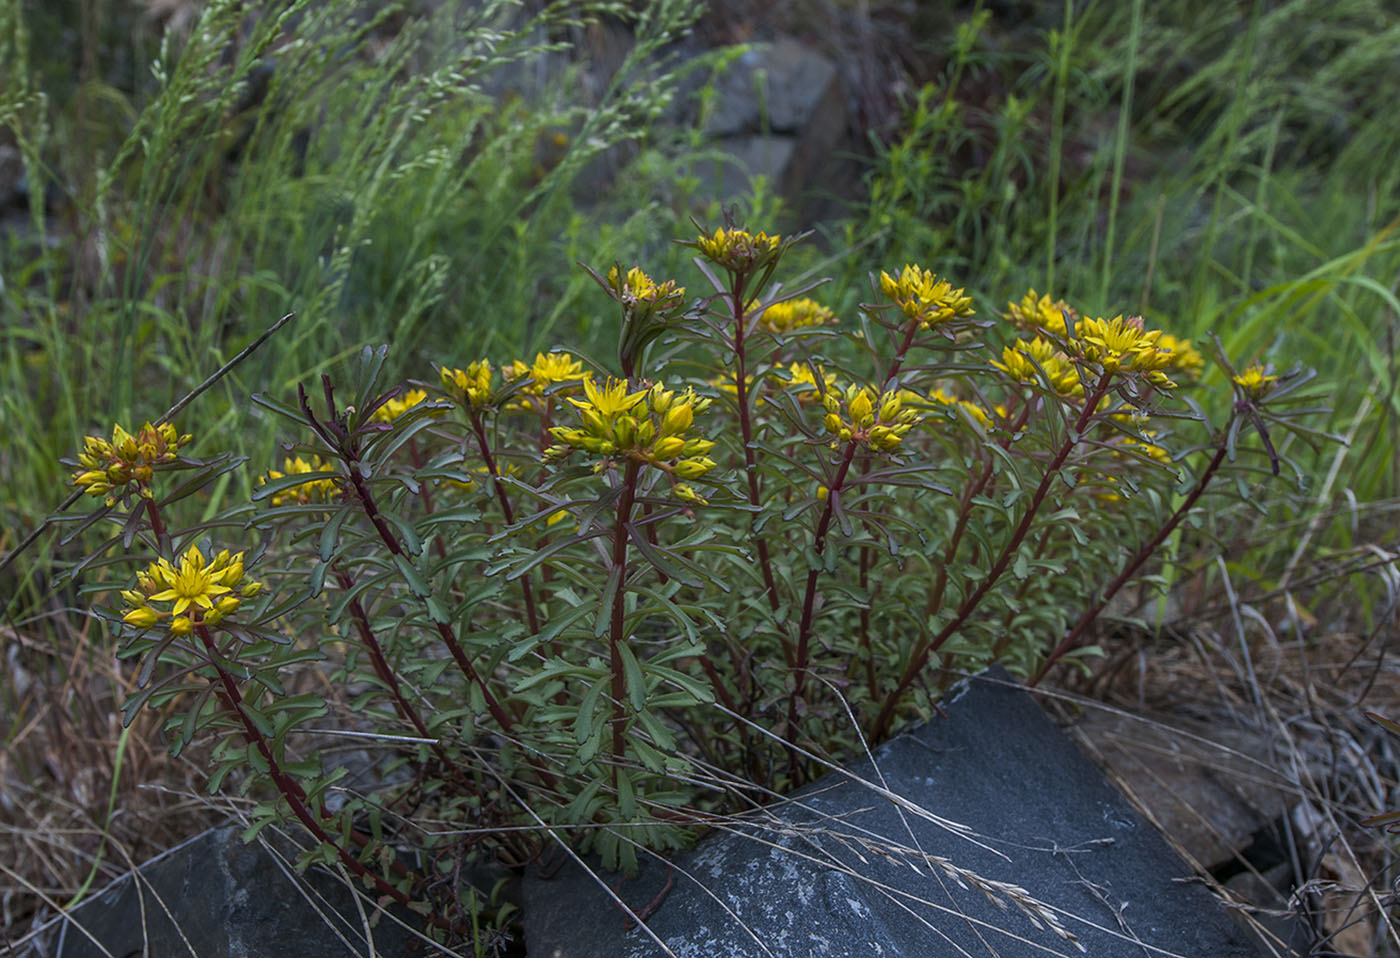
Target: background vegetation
424, 175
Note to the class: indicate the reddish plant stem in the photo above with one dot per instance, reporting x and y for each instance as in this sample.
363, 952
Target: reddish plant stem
1130, 567
809, 596
158, 526
290, 789
934, 604
449, 636
927, 647
426, 495
385, 672
484, 447
619, 611
765, 564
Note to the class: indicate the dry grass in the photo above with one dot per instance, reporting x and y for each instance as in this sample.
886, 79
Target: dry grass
68, 820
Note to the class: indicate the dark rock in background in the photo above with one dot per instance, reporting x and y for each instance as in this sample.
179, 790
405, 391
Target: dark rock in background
215, 897
846, 869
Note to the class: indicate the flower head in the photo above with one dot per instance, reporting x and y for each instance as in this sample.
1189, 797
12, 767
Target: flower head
794, 314
739, 250
1255, 382
1040, 314
922, 296
1121, 345
110, 465
551, 374
1024, 361
470, 387
394, 408
641, 296
323, 489
650, 426
197, 591
1182, 358
859, 414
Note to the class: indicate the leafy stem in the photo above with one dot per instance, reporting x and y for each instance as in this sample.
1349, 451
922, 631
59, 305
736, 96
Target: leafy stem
919, 659
1130, 567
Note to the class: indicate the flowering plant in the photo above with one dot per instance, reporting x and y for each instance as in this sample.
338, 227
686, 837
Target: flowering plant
598, 607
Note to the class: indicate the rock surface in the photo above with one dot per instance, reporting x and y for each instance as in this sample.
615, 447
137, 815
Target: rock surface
853, 867
215, 897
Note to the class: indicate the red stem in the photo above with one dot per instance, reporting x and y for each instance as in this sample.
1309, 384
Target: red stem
1130, 568
965, 609
619, 609
479, 429
765, 564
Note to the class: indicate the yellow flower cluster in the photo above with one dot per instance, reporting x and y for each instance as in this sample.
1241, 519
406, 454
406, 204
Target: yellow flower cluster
740, 250
1040, 314
1019, 361
861, 416
1123, 345
943, 398
109, 465
1183, 358
313, 490
395, 408
641, 296
1254, 382
924, 297
551, 374
646, 426
795, 314
468, 387
198, 591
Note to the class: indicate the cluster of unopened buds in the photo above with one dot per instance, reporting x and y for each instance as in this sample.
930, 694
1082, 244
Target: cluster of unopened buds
196, 592
108, 466
646, 426
859, 415
740, 251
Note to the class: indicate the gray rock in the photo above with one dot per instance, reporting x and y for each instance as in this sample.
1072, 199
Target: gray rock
990, 827
215, 897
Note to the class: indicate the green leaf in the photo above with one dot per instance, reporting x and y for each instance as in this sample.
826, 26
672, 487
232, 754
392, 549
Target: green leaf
632, 673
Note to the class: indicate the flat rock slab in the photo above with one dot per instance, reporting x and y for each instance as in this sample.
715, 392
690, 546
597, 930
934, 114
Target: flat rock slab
983, 833
215, 897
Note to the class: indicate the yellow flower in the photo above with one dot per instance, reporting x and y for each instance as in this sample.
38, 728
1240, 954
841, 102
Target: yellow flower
1182, 358
110, 465
740, 250
795, 314
196, 590
395, 408
1040, 314
1254, 382
924, 297
639, 293
313, 490
857, 414
470, 386
647, 426
553, 374
1019, 361
1123, 345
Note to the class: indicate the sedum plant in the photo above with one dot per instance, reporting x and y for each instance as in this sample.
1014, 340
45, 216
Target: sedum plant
601, 603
